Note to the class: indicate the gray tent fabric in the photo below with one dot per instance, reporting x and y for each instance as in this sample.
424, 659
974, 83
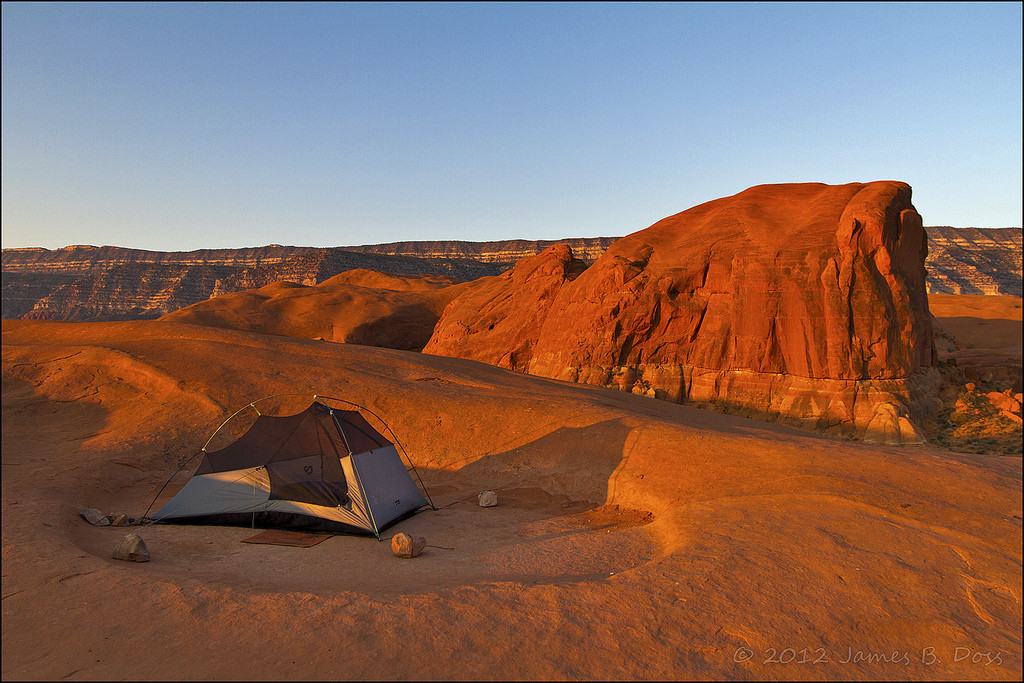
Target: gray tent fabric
320, 469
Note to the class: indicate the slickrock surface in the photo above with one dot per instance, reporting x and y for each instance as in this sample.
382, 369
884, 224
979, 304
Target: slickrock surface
987, 336
804, 302
979, 351
356, 307
634, 540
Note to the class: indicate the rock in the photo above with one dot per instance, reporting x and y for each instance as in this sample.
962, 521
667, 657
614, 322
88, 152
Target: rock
498, 319
1013, 417
82, 283
804, 303
404, 545
487, 499
112, 283
974, 261
94, 517
120, 520
132, 549
1004, 402
355, 307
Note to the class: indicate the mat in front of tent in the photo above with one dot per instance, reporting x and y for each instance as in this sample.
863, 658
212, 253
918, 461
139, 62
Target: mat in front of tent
295, 539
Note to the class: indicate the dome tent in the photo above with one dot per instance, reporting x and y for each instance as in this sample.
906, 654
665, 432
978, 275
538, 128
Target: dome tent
322, 469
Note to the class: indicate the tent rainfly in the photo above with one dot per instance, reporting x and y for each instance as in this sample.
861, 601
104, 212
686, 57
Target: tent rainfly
323, 469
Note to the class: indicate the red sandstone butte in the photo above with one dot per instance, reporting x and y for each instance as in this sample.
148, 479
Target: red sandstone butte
803, 302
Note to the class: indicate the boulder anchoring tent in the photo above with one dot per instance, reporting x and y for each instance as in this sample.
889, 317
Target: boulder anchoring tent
322, 469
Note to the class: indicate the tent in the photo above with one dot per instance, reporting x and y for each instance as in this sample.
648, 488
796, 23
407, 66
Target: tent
323, 469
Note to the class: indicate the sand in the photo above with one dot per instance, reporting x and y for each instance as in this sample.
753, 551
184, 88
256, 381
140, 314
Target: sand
634, 538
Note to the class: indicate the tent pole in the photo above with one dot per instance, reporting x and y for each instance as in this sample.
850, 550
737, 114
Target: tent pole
146, 514
259, 414
362, 491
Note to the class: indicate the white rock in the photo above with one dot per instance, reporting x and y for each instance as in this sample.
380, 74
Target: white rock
487, 499
132, 549
95, 517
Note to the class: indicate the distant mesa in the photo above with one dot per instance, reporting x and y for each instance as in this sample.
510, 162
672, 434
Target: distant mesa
804, 303
112, 283
975, 261
83, 283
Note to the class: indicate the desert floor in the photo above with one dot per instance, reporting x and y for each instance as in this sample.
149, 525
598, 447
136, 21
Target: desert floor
634, 539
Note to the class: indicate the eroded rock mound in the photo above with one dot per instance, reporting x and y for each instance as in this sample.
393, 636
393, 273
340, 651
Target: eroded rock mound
803, 302
499, 319
355, 307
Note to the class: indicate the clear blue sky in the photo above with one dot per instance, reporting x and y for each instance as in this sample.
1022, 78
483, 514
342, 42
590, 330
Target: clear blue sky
183, 126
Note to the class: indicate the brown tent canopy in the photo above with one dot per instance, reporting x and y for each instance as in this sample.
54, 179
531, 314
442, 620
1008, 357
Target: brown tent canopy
320, 469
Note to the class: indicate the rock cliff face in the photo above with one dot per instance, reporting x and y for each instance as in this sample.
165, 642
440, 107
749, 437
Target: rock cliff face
505, 252
974, 261
498, 320
803, 302
130, 291
322, 264
86, 258
95, 283
109, 283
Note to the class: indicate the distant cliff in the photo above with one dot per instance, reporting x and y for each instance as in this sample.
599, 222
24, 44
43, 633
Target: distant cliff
112, 283
974, 261
83, 282
505, 252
